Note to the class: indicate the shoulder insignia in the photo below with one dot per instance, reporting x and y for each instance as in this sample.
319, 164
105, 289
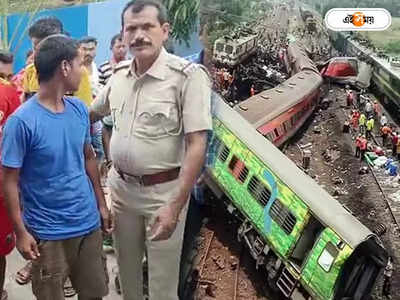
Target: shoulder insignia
123, 65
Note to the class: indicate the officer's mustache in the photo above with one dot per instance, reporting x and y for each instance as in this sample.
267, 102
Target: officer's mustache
140, 44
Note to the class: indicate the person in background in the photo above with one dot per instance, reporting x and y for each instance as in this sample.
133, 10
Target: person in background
88, 46
385, 131
363, 146
395, 140
106, 69
361, 123
377, 109
9, 102
387, 278
358, 145
18, 78
39, 30
383, 120
64, 206
370, 127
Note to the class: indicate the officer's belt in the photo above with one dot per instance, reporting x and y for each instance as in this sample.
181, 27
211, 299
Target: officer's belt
151, 179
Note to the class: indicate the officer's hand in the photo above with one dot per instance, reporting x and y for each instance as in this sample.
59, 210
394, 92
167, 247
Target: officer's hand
163, 224
27, 246
107, 220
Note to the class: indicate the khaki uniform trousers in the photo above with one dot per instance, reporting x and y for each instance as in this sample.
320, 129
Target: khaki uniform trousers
134, 206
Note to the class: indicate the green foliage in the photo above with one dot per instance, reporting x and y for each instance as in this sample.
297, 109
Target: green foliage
393, 47
222, 16
183, 17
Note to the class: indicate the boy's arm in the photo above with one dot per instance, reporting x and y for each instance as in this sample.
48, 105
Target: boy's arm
93, 174
26, 244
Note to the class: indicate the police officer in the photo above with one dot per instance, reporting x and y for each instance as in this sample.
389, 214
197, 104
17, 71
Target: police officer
160, 105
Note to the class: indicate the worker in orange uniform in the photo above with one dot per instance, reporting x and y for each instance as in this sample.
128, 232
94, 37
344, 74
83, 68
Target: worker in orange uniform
354, 119
385, 131
363, 146
358, 145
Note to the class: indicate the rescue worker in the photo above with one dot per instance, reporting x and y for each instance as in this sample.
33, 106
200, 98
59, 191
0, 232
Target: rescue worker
377, 109
358, 145
370, 127
383, 120
349, 96
387, 278
385, 131
369, 109
363, 146
9, 102
361, 123
398, 150
354, 118
160, 105
395, 140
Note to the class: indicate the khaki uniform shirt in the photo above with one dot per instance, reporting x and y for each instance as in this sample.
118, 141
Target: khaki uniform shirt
151, 113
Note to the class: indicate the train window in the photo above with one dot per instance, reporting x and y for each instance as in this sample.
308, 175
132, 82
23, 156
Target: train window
243, 174
284, 127
252, 187
224, 153
276, 132
233, 162
228, 49
293, 120
287, 125
328, 256
219, 47
258, 190
282, 216
269, 136
396, 83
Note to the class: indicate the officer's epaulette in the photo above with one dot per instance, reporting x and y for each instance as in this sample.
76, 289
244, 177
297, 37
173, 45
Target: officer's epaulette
123, 65
182, 65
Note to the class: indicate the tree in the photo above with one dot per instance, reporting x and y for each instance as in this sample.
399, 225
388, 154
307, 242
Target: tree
183, 15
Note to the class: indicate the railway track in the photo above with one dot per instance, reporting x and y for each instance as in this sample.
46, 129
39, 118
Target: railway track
210, 258
381, 179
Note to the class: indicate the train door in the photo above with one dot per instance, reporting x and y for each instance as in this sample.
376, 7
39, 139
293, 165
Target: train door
324, 262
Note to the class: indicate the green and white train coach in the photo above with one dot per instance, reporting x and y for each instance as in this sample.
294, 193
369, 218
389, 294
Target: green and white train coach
311, 246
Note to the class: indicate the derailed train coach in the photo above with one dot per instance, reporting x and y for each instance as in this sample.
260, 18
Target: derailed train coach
278, 113
310, 245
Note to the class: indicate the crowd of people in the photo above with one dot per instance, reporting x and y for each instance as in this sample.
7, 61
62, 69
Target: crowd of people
144, 122
364, 114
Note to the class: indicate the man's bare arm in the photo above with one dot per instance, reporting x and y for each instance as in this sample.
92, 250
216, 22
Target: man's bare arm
93, 174
26, 244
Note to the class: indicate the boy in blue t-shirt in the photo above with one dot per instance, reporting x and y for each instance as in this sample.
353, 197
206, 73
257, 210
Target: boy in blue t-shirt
47, 154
